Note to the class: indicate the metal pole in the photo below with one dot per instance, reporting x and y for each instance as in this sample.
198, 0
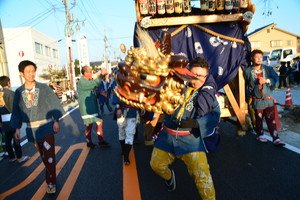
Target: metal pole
71, 69
69, 43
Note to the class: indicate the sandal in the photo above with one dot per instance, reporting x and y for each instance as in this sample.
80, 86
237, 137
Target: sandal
23, 158
126, 160
12, 159
262, 139
51, 189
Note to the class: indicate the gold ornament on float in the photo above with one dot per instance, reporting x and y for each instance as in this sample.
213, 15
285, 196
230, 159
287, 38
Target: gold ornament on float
153, 78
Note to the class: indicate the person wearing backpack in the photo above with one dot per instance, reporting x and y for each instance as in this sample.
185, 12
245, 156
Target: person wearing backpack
184, 132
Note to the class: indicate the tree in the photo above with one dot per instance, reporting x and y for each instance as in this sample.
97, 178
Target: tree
53, 74
76, 68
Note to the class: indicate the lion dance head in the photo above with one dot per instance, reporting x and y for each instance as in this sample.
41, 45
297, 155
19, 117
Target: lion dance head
153, 82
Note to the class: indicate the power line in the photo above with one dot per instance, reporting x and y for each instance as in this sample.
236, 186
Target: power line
35, 18
33, 22
39, 17
117, 38
97, 12
93, 25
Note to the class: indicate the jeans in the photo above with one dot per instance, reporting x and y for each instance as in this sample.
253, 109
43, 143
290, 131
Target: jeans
107, 105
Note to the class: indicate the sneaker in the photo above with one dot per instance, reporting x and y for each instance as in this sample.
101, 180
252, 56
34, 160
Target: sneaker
262, 138
51, 189
4, 155
12, 159
23, 158
91, 145
278, 142
171, 184
104, 144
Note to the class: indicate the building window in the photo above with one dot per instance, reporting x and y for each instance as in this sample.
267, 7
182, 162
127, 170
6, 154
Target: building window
47, 51
268, 30
276, 43
55, 53
255, 45
38, 48
289, 43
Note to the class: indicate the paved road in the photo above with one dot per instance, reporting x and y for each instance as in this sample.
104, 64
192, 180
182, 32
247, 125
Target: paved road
242, 170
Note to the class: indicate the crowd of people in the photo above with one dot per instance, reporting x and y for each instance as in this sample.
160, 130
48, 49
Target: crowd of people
181, 135
289, 73
65, 95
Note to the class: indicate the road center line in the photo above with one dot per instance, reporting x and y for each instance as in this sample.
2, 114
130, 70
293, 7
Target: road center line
131, 187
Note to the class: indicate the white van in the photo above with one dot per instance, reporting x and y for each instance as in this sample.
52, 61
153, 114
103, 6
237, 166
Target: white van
281, 55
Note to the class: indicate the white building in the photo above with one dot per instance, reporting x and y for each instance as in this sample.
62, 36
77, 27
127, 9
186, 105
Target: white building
27, 43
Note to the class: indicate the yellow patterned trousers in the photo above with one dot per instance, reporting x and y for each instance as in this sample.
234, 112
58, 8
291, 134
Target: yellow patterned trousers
197, 166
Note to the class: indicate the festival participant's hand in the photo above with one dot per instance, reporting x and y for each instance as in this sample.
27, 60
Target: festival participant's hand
119, 113
56, 127
97, 74
263, 80
103, 71
17, 134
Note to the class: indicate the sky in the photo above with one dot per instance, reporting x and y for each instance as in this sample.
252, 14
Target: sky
116, 19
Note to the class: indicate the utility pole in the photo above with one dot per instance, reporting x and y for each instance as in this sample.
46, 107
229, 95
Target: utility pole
106, 46
115, 55
69, 19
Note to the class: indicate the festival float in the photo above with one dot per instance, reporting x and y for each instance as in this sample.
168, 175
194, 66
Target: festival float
167, 35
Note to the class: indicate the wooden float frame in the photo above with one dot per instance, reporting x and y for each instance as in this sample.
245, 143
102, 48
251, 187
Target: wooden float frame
235, 91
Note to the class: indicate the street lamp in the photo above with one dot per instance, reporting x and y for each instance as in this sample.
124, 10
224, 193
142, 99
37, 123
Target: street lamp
77, 27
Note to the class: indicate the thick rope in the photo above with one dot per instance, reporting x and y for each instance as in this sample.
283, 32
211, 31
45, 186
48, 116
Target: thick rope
219, 35
178, 30
209, 32
286, 105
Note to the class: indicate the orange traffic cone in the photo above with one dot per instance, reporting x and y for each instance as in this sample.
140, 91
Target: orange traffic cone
288, 97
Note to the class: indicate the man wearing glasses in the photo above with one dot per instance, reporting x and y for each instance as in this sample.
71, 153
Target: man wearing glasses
182, 132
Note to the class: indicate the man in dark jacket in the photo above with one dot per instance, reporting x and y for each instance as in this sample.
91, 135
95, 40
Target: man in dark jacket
36, 105
15, 150
282, 75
